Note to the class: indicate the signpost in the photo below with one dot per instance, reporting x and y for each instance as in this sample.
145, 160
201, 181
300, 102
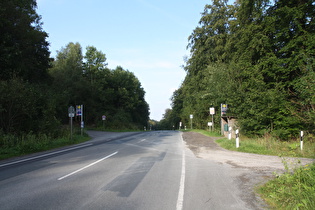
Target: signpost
224, 108
79, 112
191, 117
212, 112
71, 112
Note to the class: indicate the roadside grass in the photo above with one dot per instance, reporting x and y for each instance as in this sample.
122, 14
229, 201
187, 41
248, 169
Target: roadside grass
292, 189
204, 132
271, 146
13, 146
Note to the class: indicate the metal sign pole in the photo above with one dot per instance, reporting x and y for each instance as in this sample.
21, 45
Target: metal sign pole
191, 117
212, 112
212, 123
82, 122
71, 125
71, 112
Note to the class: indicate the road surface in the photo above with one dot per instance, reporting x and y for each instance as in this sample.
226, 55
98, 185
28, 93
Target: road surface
147, 170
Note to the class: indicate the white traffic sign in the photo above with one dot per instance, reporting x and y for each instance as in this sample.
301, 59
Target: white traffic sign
212, 111
71, 111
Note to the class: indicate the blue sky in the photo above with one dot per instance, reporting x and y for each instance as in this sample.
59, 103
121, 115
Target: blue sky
146, 37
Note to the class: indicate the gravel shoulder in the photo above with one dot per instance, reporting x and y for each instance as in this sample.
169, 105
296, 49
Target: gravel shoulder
252, 169
205, 147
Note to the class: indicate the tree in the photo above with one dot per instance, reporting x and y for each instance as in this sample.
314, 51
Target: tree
125, 96
23, 47
26, 102
259, 58
116, 93
69, 84
94, 62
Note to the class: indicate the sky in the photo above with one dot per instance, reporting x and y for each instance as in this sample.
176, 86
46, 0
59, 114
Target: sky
146, 37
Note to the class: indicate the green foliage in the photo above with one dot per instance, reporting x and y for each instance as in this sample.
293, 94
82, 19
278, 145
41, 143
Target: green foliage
259, 59
167, 123
291, 190
23, 47
26, 107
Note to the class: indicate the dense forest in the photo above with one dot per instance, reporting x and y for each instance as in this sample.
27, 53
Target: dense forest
36, 90
256, 56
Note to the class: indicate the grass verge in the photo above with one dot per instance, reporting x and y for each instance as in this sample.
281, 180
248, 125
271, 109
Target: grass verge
270, 146
291, 190
12, 146
204, 132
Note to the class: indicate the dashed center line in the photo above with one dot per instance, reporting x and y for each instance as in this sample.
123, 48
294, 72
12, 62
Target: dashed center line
85, 167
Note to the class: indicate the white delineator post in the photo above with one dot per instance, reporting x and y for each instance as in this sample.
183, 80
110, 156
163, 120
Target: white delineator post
301, 142
237, 138
230, 132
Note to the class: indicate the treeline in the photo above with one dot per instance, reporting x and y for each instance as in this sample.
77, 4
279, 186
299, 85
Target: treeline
256, 56
36, 90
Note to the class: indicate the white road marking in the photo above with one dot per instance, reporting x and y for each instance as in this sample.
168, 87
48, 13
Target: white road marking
142, 140
180, 199
85, 167
44, 155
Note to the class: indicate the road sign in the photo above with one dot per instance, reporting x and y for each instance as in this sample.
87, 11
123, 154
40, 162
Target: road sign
78, 110
103, 117
191, 116
212, 111
71, 111
224, 108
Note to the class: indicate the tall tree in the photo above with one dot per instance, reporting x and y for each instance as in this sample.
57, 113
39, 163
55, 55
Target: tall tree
25, 100
94, 62
23, 47
69, 84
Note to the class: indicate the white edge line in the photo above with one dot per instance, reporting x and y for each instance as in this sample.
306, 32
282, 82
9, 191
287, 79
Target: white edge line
180, 199
85, 167
44, 155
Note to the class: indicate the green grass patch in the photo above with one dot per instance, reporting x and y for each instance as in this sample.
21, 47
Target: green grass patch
13, 146
270, 146
204, 132
291, 190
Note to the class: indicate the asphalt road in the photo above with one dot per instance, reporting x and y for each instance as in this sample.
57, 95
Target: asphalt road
148, 170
